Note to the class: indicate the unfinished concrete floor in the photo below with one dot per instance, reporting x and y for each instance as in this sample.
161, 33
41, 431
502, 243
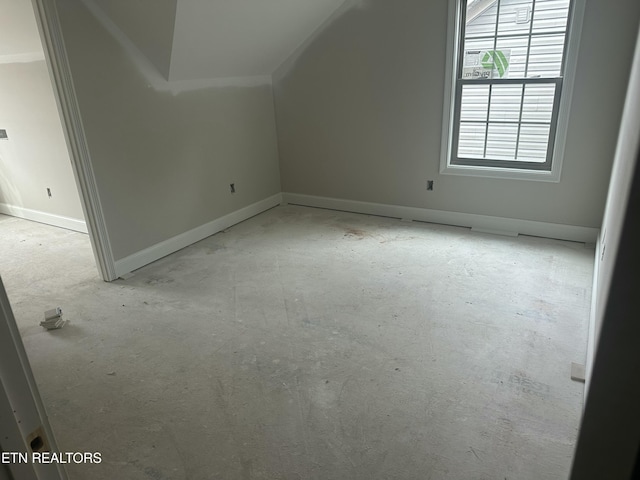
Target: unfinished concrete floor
310, 344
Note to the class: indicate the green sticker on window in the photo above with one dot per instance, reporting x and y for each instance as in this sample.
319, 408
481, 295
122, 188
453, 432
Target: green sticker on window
497, 59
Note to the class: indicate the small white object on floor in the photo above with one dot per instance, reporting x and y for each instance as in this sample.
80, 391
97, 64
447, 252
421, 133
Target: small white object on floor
577, 372
54, 312
53, 319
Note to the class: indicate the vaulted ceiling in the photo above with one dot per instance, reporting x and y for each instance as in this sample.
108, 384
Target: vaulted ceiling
202, 39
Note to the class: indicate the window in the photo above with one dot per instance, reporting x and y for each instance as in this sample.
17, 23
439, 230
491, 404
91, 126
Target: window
508, 99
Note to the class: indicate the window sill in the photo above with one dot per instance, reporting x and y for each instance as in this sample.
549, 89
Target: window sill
504, 173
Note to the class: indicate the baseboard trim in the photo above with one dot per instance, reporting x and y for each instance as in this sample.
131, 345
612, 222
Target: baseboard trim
44, 217
171, 245
478, 222
22, 58
591, 335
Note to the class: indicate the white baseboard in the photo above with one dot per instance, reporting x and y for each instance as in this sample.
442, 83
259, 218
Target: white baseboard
171, 245
43, 217
485, 223
22, 58
591, 338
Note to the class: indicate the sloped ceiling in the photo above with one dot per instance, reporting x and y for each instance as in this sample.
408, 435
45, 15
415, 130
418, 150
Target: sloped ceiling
238, 38
207, 39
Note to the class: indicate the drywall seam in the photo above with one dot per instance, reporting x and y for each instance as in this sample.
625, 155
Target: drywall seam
484, 222
591, 335
152, 75
43, 217
22, 58
179, 86
171, 245
290, 60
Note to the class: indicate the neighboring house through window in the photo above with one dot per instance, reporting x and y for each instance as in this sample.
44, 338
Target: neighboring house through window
510, 71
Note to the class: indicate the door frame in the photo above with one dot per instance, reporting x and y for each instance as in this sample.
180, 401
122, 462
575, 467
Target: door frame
61, 79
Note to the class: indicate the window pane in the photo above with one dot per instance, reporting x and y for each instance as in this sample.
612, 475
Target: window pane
481, 21
478, 44
517, 48
538, 103
474, 103
545, 56
550, 16
471, 140
501, 141
505, 103
515, 17
534, 141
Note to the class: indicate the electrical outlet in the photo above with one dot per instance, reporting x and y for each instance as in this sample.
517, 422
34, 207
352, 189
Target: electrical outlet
429, 185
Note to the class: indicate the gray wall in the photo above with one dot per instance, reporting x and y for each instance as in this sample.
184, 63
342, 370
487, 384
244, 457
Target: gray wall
19, 29
620, 185
608, 441
35, 155
359, 115
164, 162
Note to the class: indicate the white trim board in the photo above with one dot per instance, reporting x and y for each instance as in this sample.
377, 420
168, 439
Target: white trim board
484, 223
171, 245
22, 58
51, 35
43, 217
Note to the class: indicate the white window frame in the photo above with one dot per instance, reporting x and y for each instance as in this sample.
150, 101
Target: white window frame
571, 60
